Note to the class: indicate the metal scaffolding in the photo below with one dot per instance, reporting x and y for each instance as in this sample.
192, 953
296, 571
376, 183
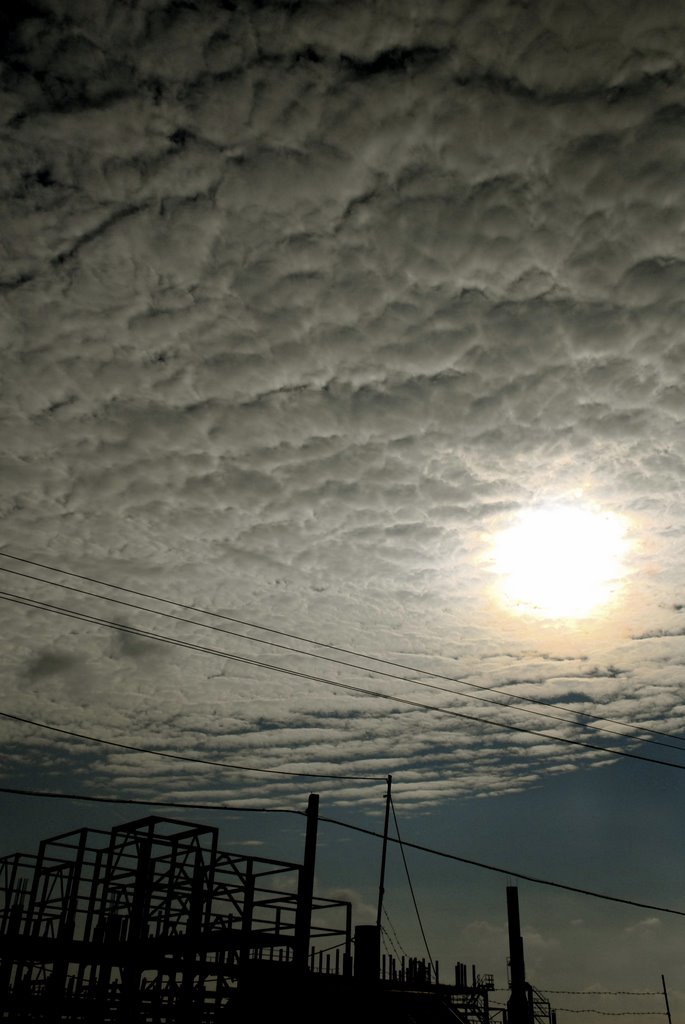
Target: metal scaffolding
152, 921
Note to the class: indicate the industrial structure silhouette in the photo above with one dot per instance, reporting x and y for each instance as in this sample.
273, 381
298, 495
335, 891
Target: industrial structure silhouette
153, 922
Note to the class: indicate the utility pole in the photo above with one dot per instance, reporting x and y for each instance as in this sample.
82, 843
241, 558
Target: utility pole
381, 887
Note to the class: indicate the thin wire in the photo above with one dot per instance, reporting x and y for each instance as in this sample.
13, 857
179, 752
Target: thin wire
95, 620
579, 992
185, 757
394, 933
613, 1013
348, 664
388, 944
411, 887
347, 825
46, 794
330, 647
507, 871
576, 992
338, 945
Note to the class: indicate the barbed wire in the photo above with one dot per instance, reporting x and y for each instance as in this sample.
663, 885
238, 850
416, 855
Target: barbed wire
578, 992
570, 992
389, 945
613, 1013
396, 936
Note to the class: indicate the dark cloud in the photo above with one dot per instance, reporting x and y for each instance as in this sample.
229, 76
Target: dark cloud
50, 664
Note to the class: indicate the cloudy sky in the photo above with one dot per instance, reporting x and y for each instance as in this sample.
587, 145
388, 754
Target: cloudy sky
305, 307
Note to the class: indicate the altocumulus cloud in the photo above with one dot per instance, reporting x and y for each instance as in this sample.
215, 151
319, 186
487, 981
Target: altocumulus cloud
300, 302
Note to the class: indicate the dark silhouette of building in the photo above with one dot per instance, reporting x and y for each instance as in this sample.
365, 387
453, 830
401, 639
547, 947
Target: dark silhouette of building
153, 922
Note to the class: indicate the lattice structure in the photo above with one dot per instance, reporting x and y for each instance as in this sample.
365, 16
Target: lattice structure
152, 922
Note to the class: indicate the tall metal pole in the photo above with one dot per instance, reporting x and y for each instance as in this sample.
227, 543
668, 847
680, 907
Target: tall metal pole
381, 887
305, 888
668, 1009
518, 1007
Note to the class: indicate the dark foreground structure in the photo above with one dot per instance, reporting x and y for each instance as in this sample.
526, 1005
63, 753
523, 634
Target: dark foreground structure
153, 923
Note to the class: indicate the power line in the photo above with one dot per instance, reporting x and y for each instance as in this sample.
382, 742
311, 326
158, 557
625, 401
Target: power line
46, 794
354, 828
409, 881
348, 664
327, 646
108, 623
185, 757
507, 871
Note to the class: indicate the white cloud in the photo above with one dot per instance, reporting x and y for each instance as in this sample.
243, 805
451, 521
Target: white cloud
299, 306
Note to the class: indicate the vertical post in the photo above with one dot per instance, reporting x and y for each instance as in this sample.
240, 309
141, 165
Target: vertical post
305, 889
68, 916
131, 966
518, 1006
248, 907
33, 918
668, 1009
347, 958
195, 956
367, 958
65, 928
381, 886
92, 897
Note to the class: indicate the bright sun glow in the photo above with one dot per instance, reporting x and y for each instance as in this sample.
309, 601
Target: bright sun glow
560, 562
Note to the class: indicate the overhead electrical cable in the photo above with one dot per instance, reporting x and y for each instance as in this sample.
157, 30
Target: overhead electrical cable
394, 698
505, 871
347, 664
125, 801
333, 647
409, 881
186, 757
511, 873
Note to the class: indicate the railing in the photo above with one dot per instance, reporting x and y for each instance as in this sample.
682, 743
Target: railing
541, 1007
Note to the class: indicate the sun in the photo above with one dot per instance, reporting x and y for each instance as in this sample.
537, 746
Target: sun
560, 561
